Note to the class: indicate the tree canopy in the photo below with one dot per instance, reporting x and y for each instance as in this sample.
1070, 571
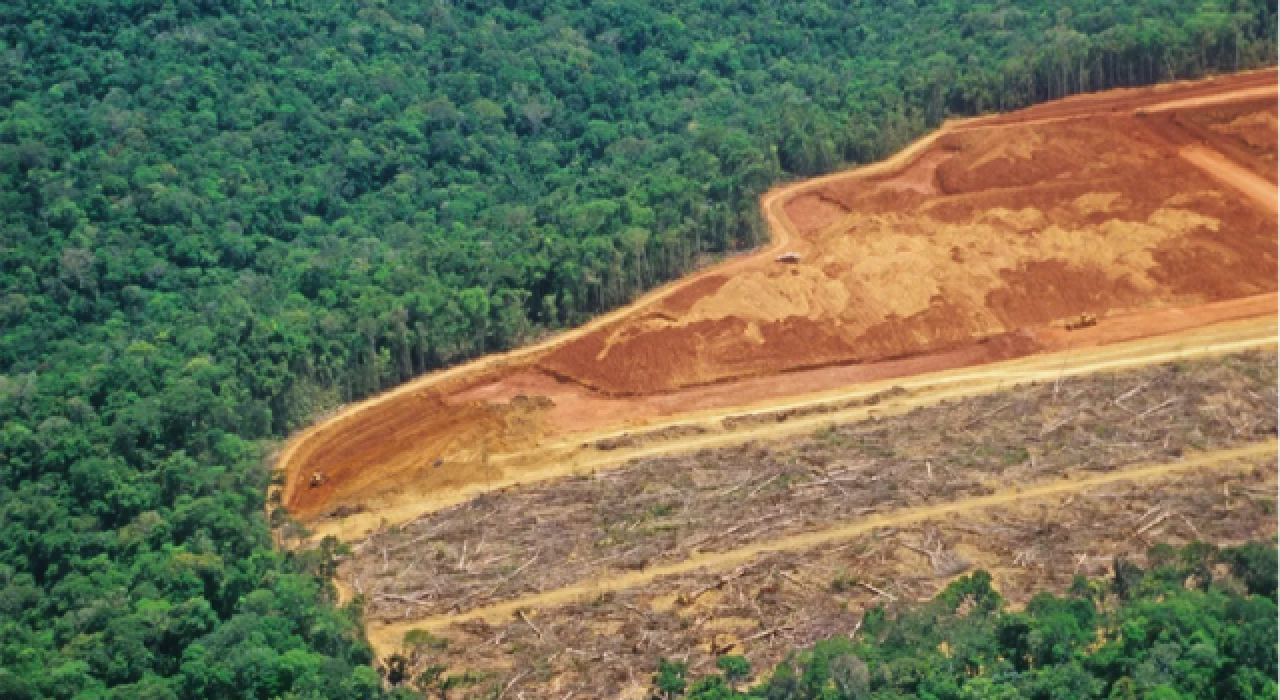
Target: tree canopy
1170, 631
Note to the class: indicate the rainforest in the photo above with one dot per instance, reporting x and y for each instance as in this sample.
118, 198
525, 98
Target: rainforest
221, 220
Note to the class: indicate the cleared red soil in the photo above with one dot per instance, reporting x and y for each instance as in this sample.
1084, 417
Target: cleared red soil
1154, 209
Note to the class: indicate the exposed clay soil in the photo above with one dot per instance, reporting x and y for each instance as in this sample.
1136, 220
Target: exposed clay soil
1245, 131
426, 441
990, 232
975, 245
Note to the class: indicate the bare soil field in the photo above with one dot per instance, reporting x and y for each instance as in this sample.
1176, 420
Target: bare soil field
975, 245
989, 232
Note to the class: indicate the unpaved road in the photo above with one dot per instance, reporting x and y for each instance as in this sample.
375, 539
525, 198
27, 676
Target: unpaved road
392, 495
569, 457
1243, 180
388, 638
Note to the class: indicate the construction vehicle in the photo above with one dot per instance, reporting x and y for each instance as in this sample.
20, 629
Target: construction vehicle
790, 257
318, 479
1084, 320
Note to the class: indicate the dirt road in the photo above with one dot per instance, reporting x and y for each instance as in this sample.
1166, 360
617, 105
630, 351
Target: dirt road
560, 458
387, 638
1241, 179
562, 531
378, 454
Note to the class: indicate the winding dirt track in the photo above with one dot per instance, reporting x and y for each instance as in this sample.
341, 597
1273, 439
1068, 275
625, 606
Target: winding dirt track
389, 637
378, 453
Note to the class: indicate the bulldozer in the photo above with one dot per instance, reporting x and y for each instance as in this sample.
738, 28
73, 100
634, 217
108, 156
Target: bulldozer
1084, 320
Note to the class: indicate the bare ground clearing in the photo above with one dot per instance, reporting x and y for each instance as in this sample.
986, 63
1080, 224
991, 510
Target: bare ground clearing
987, 232
552, 459
555, 534
970, 247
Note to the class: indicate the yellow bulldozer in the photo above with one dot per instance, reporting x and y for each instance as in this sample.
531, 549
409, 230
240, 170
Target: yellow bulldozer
1084, 320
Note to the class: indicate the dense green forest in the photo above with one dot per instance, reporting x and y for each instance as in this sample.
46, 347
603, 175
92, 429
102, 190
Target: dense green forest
221, 217
1171, 632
